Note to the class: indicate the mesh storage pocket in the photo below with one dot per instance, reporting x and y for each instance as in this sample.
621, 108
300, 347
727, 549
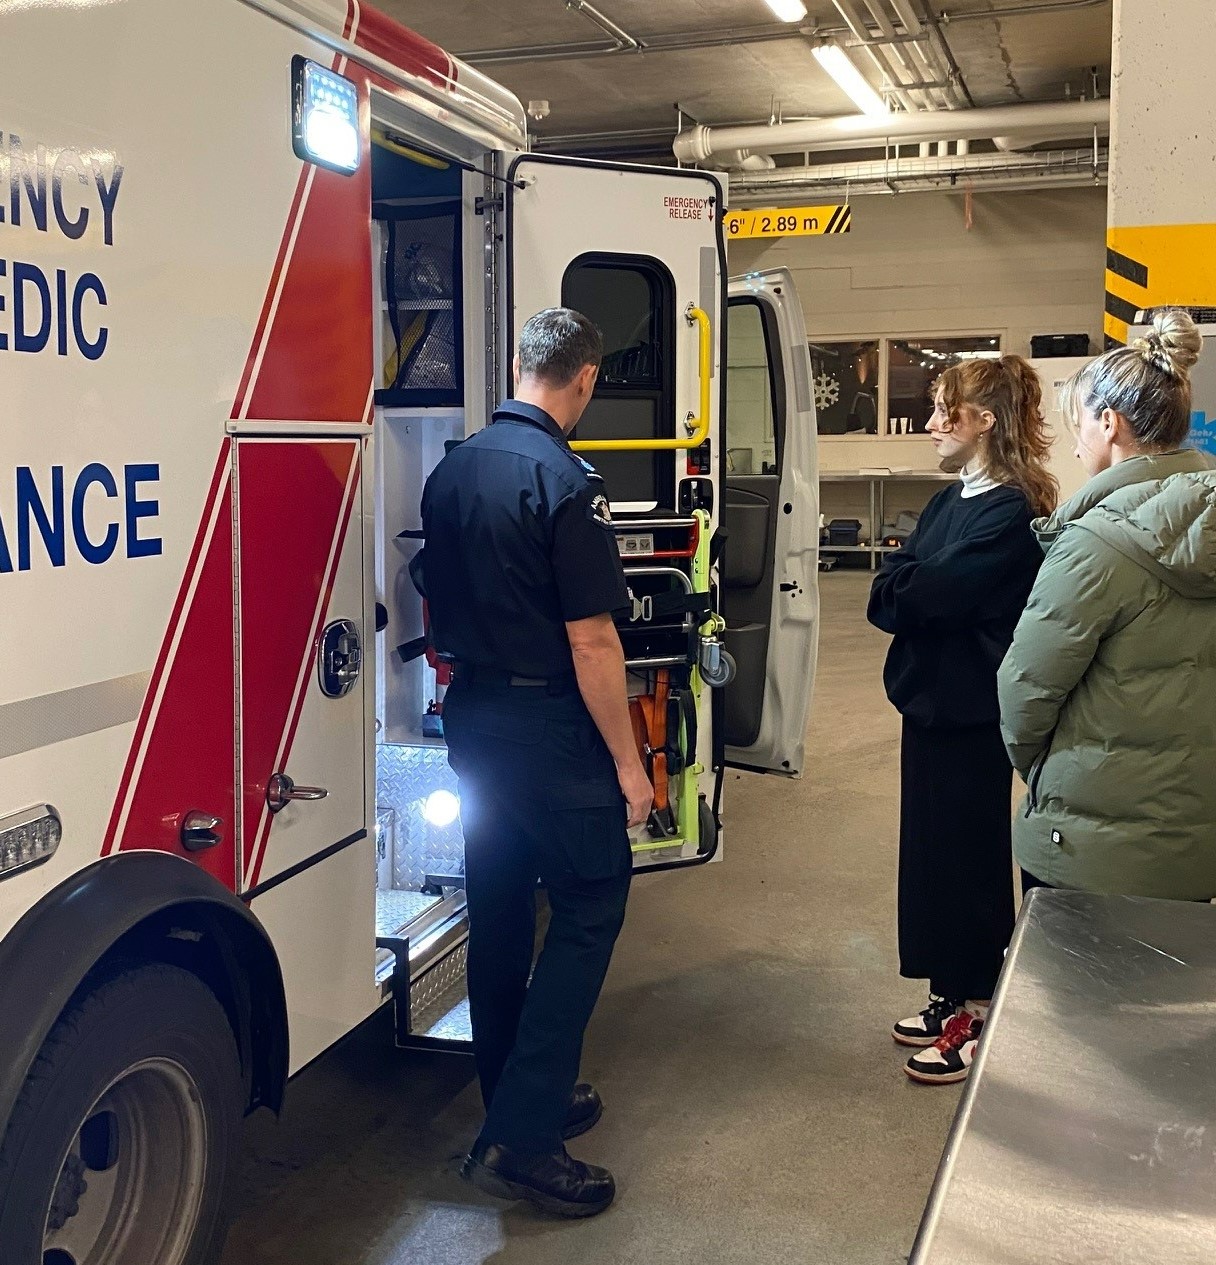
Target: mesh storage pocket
423, 361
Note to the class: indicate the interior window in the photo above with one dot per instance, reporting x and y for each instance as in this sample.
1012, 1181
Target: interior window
846, 386
752, 441
631, 299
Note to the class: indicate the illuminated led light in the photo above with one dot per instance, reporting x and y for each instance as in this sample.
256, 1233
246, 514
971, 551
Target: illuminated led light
325, 117
788, 10
441, 808
836, 62
28, 838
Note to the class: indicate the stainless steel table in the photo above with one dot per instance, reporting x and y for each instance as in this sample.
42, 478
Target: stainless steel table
1087, 1131
878, 503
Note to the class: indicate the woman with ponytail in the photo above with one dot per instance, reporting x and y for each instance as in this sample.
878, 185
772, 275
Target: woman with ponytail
952, 597
1108, 695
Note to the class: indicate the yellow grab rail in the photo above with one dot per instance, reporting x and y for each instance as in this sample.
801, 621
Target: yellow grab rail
697, 425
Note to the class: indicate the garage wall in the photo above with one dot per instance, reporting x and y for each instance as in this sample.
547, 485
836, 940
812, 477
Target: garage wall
1032, 263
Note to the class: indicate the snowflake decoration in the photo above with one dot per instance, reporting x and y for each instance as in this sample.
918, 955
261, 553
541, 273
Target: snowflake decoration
827, 391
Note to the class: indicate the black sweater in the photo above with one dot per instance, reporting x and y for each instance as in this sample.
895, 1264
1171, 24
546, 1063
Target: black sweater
952, 597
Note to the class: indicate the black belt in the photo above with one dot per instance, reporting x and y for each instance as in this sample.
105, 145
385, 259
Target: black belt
472, 673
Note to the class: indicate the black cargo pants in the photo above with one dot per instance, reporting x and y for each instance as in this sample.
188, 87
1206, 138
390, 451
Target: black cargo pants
539, 799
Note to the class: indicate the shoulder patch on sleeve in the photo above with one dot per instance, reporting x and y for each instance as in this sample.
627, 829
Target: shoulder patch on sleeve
600, 511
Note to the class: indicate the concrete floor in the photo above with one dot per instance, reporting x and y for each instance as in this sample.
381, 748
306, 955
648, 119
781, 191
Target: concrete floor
756, 1109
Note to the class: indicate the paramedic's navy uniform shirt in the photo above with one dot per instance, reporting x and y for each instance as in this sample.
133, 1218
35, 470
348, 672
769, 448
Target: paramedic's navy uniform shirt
518, 541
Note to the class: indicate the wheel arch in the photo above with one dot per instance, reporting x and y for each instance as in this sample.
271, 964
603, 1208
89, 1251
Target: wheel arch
142, 906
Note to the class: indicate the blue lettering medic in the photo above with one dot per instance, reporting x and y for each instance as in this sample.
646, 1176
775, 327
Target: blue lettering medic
53, 517
63, 193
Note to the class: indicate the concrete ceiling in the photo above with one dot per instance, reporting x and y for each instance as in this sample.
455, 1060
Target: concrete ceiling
1043, 55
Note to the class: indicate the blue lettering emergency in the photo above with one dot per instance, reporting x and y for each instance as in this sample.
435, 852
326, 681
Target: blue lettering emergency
137, 509
69, 160
94, 473
109, 196
20, 177
27, 297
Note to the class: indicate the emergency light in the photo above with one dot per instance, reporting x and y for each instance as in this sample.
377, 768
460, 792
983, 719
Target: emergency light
325, 117
28, 838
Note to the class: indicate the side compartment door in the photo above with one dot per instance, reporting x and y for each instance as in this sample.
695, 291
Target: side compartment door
770, 576
300, 681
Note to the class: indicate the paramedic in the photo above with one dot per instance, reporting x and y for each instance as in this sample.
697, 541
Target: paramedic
522, 573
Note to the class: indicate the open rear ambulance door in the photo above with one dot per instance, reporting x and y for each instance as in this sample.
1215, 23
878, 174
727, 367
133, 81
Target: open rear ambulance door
770, 571
634, 249
640, 252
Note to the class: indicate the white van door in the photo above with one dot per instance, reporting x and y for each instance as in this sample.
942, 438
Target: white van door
635, 249
770, 565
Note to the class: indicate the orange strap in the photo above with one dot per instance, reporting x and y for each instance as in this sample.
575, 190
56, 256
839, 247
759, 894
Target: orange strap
649, 716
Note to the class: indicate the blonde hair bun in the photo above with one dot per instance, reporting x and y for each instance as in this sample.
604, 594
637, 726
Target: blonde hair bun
1173, 343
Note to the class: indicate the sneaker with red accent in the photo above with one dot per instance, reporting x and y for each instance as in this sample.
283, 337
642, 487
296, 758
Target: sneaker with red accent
949, 1058
924, 1028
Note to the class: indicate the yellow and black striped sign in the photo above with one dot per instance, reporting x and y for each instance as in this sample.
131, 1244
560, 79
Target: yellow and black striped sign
788, 221
1157, 265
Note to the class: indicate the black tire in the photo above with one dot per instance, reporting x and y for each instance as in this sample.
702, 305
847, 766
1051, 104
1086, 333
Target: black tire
707, 829
149, 1061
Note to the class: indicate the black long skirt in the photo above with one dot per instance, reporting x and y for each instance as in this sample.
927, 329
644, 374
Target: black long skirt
955, 858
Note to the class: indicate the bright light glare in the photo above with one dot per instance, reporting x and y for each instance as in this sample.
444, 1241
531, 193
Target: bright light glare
788, 10
441, 808
331, 138
836, 62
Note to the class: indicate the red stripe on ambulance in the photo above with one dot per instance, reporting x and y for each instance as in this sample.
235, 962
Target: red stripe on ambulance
183, 756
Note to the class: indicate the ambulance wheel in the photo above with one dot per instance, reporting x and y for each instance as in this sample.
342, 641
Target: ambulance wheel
708, 829
125, 1136
725, 673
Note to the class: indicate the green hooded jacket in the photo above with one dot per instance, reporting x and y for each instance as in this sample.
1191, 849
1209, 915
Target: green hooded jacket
1108, 693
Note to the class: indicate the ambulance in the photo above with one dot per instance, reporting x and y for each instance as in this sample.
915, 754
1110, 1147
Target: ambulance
261, 263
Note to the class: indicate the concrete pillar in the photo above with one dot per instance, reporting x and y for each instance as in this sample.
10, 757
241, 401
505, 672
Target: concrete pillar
1161, 221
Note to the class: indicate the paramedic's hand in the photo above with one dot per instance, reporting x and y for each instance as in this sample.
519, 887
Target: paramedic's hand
638, 793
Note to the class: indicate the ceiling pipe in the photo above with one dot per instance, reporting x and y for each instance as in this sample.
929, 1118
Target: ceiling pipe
701, 144
1018, 10
881, 57
623, 40
945, 167
744, 160
998, 182
672, 42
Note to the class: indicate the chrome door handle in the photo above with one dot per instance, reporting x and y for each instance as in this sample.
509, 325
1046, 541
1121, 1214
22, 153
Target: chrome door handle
281, 790
200, 830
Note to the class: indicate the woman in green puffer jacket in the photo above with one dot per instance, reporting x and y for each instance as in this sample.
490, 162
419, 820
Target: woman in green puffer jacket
1108, 693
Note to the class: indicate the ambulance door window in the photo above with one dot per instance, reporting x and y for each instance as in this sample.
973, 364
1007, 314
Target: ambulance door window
755, 414
632, 301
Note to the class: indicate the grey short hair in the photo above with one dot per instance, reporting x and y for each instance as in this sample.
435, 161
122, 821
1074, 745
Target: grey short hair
1149, 382
556, 343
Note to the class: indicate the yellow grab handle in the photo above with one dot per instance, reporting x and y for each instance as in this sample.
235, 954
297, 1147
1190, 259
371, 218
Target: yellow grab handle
697, 425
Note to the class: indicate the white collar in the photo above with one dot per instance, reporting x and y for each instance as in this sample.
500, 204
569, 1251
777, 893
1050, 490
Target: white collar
976, 480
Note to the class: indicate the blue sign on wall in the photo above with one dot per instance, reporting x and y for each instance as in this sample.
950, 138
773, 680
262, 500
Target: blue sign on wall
1203, 432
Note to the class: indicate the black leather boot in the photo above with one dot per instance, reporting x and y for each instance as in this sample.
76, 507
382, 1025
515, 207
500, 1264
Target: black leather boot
553, 1183
586, 1108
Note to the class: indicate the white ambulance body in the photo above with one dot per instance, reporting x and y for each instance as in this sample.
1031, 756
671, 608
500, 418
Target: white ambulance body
259, 261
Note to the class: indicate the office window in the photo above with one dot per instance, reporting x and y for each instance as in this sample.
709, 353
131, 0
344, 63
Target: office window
846, 378
914, 364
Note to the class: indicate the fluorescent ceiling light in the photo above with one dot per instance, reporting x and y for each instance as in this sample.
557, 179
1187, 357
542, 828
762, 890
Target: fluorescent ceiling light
836, 62
788, 10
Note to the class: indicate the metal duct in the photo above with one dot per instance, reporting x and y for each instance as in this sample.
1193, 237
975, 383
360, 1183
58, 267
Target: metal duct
702, 144
919, 174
